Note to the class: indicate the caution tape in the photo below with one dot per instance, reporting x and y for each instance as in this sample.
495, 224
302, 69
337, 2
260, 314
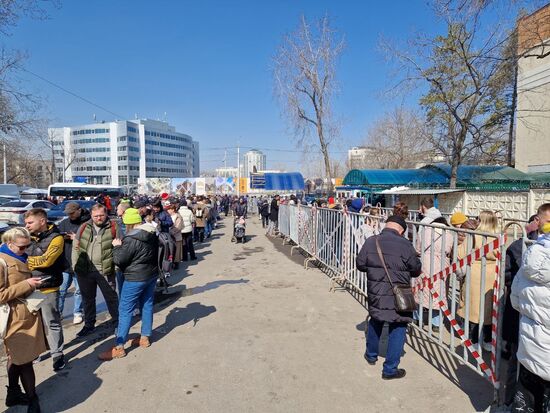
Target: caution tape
475, 255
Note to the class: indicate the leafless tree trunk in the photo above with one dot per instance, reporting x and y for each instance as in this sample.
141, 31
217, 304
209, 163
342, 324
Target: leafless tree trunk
304, 73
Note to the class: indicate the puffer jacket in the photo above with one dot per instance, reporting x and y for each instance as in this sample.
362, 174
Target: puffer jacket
137, 257
402, 263
188, 219
531, 297
68, 225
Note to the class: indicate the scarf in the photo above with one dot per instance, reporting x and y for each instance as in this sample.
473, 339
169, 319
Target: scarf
4, 249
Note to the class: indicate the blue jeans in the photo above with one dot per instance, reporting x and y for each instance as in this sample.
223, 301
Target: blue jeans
135, 294
396, 342
119, 281
436, 315
68, 279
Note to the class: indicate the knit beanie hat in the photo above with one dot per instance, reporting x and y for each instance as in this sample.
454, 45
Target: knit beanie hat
131, 216
458, 218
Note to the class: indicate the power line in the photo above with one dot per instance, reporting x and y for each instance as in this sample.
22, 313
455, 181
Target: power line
73, 94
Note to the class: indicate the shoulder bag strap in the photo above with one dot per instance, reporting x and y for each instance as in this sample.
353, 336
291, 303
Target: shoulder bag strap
382, 259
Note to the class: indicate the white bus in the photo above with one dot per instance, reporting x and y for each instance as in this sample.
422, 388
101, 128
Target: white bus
77, 190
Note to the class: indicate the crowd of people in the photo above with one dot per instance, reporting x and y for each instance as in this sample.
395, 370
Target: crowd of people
129, 253
126, 255
389, 258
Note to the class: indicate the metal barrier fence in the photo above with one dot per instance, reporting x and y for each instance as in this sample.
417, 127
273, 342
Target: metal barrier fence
460, 294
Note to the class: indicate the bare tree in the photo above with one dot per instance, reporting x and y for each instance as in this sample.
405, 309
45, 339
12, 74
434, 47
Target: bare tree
304, 73
467, 78
398, 140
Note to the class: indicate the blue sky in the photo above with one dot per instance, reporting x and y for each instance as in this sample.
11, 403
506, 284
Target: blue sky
207, 65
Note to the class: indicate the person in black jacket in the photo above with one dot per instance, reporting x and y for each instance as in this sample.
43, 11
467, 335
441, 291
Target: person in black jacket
273, 216
510, 322
162, 218
264, 212
76, 216
402, 263
137, 257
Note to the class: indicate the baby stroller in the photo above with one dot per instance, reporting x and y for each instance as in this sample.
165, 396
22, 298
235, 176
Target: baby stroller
239, 232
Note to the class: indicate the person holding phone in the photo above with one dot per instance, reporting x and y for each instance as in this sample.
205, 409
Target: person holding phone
46, 259
24, 340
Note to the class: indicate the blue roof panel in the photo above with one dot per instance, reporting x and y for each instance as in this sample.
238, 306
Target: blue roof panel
410, 177
288, 181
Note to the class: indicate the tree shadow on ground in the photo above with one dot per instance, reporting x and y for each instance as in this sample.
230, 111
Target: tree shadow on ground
180, 316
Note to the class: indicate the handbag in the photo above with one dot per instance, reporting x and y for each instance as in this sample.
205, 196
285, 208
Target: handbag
403, 295
4, 308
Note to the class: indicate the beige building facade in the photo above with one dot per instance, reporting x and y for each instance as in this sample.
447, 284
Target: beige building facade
532, 151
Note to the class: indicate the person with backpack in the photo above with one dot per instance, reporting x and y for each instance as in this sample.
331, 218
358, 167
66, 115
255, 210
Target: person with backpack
264, 212
136, 255
201, 215
93, 264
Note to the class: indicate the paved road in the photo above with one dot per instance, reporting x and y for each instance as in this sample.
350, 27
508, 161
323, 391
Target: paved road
247, 329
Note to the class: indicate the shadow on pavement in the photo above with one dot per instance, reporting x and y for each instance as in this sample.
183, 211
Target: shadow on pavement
180, 316
478, 389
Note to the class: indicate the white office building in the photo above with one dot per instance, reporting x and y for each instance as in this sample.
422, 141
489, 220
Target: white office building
253, 161
123, 152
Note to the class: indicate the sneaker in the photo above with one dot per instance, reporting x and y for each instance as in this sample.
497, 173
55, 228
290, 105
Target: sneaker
77, 319
59, 363
398, 375
16, 397
85, 331
487, 346
114, 353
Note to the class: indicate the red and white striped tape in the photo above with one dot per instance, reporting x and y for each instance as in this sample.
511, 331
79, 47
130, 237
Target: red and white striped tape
467, 260
477, 254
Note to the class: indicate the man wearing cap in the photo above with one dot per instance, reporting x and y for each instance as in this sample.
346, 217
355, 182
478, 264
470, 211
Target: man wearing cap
402, 263
76, 216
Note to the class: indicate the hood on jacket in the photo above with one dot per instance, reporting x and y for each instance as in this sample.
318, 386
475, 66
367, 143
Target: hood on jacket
432, 213
144, 233
357, 204
536, 264
84, 217
52, 228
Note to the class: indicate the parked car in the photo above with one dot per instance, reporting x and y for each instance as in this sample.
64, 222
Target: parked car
57, 213
7, 198
12, 212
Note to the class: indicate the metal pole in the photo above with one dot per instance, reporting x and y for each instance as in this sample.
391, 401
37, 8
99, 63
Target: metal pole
5, 166
238, 171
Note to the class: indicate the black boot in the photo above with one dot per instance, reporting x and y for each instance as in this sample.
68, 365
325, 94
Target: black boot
34, 405
16, 397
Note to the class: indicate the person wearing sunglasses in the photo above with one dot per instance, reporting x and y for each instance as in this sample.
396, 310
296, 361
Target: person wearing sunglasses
24, 340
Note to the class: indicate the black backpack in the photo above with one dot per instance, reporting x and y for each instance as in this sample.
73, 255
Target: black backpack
167, 250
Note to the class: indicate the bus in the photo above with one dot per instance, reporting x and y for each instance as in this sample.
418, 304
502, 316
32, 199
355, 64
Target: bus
77, 190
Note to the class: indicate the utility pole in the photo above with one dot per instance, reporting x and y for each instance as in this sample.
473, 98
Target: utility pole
238, 170
5, 167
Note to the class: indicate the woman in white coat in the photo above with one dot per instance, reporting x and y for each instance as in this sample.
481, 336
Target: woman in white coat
531, 297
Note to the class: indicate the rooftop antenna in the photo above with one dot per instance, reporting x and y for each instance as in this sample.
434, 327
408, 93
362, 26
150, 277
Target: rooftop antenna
135, 116
164, 117
95, 118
